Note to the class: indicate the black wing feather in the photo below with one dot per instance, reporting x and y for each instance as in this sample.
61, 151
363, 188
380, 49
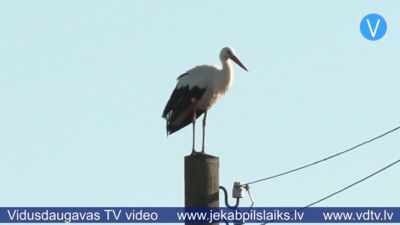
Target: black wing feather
178, 104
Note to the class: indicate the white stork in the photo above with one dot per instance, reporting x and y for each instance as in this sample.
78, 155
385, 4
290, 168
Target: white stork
196, 91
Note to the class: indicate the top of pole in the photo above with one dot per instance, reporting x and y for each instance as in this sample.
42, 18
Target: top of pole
201, 156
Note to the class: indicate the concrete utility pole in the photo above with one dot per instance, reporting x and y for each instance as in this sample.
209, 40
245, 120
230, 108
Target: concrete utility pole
201, 181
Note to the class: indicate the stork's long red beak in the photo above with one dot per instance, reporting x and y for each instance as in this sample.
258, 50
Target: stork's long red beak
237, 61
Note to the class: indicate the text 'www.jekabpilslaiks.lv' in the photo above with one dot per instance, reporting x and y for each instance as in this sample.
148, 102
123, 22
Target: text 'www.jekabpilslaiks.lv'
213, 216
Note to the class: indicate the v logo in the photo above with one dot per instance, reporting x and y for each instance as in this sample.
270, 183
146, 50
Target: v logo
373, 27
373, 33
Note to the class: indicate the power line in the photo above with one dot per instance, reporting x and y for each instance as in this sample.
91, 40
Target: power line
324, 159
347, 187
353, 184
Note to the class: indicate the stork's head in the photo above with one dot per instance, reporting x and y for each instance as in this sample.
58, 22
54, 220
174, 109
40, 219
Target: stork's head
228, 53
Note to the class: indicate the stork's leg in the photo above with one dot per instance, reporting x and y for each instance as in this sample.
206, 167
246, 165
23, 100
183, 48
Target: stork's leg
194, 128
204, 131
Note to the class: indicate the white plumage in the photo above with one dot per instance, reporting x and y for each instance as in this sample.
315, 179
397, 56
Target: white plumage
196, 91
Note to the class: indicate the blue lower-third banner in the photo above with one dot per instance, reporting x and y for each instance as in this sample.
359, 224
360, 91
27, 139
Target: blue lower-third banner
199, 215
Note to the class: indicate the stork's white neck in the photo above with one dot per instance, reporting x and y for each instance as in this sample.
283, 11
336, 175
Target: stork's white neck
227, 73
227, 67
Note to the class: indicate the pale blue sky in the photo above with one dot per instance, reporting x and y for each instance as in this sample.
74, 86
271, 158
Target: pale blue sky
83, 85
